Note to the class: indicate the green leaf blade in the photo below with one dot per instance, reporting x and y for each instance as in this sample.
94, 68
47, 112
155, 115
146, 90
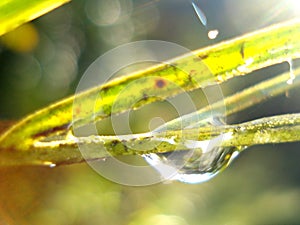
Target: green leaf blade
265, 47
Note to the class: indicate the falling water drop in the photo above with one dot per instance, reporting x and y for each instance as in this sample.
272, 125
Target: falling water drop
200, 14
199, 162
292, 75
212, 34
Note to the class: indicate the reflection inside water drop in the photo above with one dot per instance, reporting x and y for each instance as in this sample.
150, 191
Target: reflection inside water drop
199, 162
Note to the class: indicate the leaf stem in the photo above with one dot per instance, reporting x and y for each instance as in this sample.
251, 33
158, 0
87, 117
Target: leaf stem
276, 129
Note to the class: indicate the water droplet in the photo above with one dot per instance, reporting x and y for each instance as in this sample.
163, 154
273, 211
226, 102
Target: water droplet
104, 159
245, 67
199, 162
212, 34
200, 14
292, 75
50, 164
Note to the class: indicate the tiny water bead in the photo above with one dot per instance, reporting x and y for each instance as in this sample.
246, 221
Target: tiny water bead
212, 34
199, 162
292, 75
50, 164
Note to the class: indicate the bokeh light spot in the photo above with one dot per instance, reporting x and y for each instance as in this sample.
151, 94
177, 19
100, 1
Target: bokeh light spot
103, 13
23, 39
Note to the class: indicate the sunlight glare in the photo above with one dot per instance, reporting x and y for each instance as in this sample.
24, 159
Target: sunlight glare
294, 5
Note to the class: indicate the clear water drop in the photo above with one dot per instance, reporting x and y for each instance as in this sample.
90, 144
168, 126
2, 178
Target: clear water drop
199, 162
292, 75
200, 14
212, 34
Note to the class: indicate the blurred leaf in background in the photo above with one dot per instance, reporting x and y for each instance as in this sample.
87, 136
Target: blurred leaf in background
261, 187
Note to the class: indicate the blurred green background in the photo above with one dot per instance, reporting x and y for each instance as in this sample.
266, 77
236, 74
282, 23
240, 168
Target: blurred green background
42, 62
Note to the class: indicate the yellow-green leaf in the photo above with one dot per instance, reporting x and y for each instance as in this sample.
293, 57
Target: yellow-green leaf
13, 13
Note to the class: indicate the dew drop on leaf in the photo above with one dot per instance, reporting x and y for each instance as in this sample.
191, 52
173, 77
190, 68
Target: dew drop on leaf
199, 162
50, 164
